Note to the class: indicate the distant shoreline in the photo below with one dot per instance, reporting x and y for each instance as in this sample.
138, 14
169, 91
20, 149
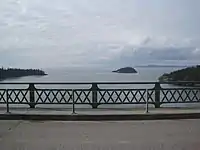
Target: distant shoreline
11, 73
158, 66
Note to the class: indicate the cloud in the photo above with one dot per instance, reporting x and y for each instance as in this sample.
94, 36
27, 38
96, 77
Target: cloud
63, 33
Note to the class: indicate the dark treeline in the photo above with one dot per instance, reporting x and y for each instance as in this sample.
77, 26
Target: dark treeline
15, 72
186, 74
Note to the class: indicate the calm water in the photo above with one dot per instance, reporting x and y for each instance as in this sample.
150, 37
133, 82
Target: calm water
94, 75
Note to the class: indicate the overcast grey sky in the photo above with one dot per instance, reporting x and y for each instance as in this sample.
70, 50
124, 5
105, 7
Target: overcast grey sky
57, 33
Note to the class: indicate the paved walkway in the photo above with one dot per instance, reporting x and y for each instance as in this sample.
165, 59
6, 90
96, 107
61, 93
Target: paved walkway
89, 114
126, 135
99, 111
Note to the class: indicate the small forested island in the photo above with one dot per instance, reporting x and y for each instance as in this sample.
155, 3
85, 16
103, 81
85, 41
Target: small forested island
15, 72
186, 74
125, 70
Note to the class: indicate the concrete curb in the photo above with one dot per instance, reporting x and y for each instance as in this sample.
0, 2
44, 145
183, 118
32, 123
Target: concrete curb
111, 117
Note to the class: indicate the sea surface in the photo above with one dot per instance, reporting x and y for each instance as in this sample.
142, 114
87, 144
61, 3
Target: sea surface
79, 75
145, 74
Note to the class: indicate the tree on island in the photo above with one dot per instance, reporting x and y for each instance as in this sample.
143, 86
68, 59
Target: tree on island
186, 74
16, 72
125, 70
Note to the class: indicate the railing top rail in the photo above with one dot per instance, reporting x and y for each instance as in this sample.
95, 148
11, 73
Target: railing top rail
78, 83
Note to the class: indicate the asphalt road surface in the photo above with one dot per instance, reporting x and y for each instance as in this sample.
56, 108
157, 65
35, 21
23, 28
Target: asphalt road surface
124, 135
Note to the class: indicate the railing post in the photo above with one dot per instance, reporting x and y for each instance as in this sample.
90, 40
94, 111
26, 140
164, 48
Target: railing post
73, 103
94, 95
157, 89
7, 102
31, 89
147, 102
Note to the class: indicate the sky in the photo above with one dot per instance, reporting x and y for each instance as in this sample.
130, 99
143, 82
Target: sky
49, 33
